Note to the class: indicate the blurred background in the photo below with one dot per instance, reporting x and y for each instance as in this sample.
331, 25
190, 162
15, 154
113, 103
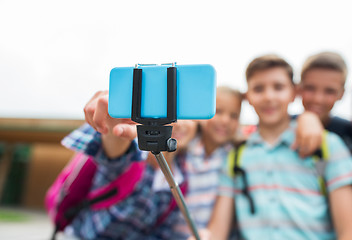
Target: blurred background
54, 55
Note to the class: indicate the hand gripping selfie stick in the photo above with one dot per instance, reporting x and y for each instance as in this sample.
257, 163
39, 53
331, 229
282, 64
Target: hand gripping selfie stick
155, 137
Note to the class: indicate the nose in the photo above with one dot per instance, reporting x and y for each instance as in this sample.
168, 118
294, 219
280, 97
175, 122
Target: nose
225, 118
268, 94
318, 97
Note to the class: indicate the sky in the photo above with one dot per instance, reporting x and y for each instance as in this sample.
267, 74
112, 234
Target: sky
54, 55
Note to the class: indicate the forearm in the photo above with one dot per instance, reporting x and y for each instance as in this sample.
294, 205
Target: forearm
220, 223
347, 235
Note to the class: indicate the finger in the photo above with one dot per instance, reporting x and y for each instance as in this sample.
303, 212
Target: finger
311, 144
314, 144
310, 147
100, 114
125, 131
89, 108
297, 142
127, 121
303, 147
300, 145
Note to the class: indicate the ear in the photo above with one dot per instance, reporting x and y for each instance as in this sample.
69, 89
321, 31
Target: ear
341, 93
294, 92
298, 89
245, 97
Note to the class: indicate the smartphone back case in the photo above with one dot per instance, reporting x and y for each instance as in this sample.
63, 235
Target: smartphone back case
196, 91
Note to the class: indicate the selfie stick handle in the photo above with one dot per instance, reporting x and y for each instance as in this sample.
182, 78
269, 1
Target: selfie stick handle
155, 137
176, 192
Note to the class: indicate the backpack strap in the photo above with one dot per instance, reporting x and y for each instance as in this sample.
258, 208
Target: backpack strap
118, 189
321, 157
235, 169
75, 178
112, 193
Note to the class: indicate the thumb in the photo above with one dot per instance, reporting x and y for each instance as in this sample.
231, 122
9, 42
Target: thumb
296, 144
127, 131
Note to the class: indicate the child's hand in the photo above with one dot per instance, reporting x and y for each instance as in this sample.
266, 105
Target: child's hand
309, 134
96, 114
204, 234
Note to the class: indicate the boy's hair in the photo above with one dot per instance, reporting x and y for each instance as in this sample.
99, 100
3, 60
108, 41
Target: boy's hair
268, 62
325, 60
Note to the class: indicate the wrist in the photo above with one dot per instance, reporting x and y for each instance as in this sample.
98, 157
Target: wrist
114, 146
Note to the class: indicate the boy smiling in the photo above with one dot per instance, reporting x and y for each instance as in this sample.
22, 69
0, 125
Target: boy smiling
283, 198
322, 84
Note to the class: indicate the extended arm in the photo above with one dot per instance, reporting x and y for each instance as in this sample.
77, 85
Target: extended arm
308, 134
117, 134
222, 218
341, 211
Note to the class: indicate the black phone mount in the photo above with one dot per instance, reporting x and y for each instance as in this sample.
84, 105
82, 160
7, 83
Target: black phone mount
152, 134
155, 137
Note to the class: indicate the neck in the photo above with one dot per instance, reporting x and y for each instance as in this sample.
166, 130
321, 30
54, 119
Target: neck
209, 145
325, 121
271, 132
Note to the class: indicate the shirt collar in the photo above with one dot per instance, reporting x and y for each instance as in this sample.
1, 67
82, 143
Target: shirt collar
286, 138
196, 147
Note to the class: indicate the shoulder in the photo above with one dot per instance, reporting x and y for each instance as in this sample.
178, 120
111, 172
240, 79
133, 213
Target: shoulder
339, 120
334, 142
338, 124
79, 139
338, 171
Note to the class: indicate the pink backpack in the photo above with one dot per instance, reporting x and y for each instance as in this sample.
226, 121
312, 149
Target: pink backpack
71, 191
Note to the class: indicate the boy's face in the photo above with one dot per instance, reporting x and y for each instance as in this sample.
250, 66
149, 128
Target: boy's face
222, 127
320, 89
270, 92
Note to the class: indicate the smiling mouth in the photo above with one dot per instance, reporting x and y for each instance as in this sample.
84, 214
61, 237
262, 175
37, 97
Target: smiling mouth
221, 131
315, 109
269, 110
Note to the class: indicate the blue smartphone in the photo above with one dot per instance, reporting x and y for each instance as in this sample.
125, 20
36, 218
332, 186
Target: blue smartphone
196, 91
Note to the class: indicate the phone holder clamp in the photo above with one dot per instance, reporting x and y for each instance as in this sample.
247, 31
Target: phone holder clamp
152, 134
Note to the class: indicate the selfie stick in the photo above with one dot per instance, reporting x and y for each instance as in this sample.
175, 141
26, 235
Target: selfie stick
155, 137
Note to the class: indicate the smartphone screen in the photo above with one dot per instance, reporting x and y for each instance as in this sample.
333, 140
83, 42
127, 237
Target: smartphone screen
196, 91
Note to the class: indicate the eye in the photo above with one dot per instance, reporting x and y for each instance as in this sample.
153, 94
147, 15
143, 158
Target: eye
258, 88
279, 87
234, 116
309, 88
330, 91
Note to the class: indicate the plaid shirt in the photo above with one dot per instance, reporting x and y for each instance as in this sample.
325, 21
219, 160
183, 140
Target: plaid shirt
203, 181
136, 216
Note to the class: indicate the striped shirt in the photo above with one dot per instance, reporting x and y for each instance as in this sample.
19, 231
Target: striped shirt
135, 217
203, 181
285, 189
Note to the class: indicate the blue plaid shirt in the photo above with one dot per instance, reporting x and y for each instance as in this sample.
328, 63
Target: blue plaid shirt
136, 216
